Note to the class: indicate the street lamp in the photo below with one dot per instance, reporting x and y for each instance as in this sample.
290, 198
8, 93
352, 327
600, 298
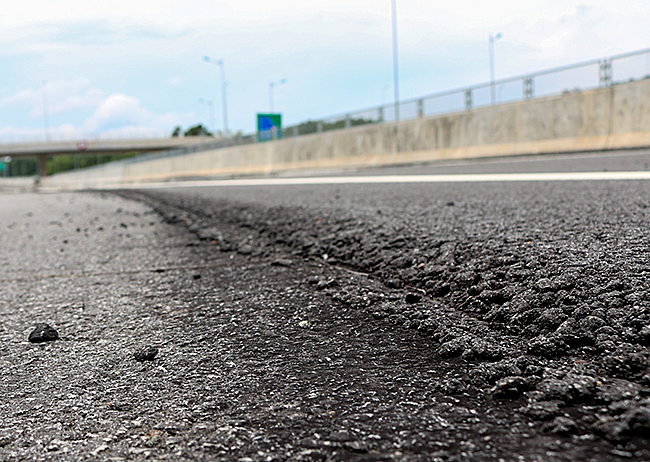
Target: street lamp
493, 38
224, 104
395, 66
272, 85
210, 110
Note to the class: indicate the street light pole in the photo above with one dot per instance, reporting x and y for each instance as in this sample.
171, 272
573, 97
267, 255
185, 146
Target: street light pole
224, 103
272, 85
395, 65
492, 39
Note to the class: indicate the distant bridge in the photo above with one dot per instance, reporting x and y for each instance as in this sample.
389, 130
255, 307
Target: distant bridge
44, 149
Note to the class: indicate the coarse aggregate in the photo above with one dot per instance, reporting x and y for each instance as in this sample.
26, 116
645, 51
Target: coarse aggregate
312, 324
538, 291
254, 361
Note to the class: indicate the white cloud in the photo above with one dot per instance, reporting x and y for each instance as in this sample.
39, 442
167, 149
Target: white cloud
117, 111
143, 57
21, 97
120, 113
61, 97
10, 134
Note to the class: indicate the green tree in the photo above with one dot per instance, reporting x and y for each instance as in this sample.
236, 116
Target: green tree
177, 131
197, 130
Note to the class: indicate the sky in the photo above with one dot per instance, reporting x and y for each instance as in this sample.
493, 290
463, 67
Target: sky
125, 68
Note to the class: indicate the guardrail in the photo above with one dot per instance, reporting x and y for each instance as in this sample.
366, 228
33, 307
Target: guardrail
597, 73
586, 75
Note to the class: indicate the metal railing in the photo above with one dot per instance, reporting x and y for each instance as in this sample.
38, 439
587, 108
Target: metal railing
582, 76
587, 75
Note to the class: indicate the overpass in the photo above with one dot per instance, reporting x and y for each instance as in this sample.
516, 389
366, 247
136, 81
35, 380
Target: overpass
44, 149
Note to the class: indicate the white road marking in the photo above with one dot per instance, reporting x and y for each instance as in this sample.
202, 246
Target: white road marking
455, 178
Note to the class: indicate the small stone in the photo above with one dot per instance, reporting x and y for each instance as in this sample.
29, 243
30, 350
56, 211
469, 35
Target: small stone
561, 426
544, 410
43, 333
544, 285
281, 262
360, 447
155, 438
509, 387
245, 249
413, 297
304, 324
394, 284
340, 436
145, 353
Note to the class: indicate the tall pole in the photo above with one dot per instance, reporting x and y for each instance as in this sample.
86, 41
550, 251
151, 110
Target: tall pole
223, 98
224, 102
492, 39
395, 65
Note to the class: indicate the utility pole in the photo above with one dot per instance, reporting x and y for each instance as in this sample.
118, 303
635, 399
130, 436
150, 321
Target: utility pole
224, 103
395, 63
492, 39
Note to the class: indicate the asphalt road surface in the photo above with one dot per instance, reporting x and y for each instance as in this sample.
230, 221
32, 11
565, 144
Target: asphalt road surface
384, 321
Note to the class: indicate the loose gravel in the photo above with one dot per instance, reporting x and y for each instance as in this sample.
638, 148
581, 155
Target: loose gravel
457, 327
543, 300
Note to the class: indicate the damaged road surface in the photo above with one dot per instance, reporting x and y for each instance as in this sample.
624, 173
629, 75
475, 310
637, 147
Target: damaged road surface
333, 322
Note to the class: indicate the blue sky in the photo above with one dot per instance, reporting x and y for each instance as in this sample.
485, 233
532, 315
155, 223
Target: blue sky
135, 67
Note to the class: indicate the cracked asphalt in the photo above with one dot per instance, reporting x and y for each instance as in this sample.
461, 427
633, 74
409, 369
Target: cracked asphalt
403, 322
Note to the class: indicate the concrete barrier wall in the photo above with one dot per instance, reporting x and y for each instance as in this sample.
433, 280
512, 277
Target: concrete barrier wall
17, 184
617, 117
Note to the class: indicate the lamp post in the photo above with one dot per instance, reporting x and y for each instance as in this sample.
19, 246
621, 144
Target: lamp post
224, 104
395, 65
272, 85
492, 39
210, 110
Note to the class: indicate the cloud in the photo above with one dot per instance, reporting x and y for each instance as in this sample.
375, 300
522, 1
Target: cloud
63, 34
10, 134
116, 115
21, 97
61, 97
120, 113
118, 110
103, 32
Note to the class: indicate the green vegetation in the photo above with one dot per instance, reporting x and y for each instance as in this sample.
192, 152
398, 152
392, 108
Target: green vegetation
311, 126
196, 130
200, 130
20, 166
58, 164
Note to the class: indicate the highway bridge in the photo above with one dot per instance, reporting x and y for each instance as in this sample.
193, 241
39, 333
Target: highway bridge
44, 149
